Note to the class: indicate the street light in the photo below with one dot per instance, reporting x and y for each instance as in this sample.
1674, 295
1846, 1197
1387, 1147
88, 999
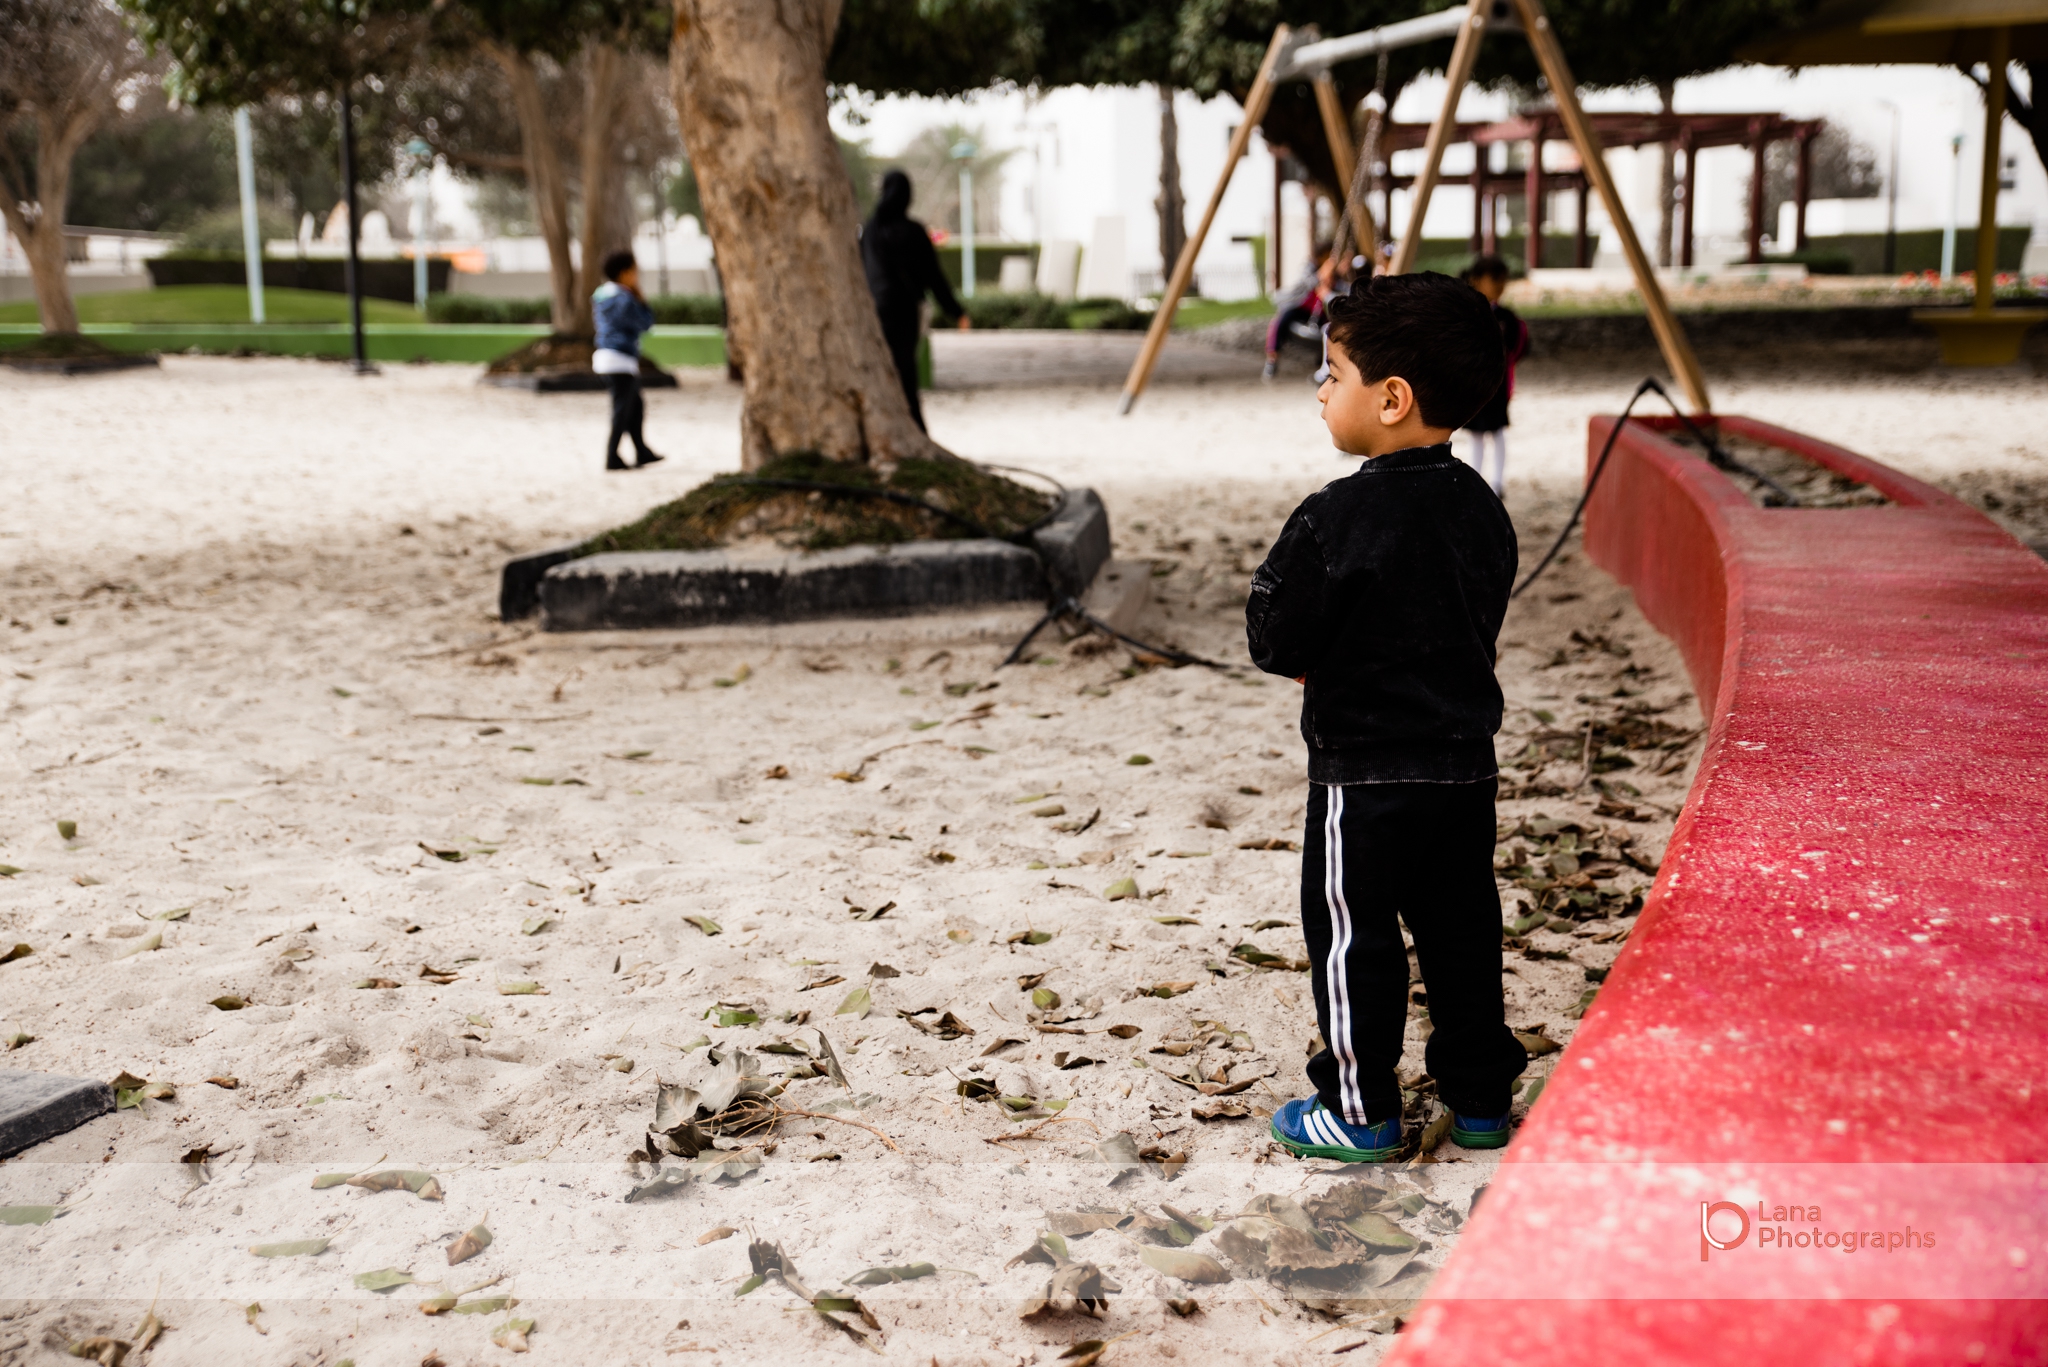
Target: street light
1955, 196
422, 207
964, 152
252, 232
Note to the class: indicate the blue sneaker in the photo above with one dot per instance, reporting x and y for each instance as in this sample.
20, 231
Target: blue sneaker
1308, 1129
1471, 1132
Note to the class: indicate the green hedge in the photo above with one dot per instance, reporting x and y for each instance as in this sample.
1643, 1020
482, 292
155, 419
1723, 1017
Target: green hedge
1818, 261
988, 261
1919, 250
1847, 254
693, 310
381, 278
988, 310
1018, 310
1043, 311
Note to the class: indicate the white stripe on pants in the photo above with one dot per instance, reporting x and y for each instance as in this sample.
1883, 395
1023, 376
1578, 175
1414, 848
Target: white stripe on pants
1333, 968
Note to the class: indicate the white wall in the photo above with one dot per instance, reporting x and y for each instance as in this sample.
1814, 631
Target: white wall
1086, 154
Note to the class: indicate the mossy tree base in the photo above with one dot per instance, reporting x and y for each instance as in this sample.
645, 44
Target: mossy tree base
564, 354
71, 353
728, 509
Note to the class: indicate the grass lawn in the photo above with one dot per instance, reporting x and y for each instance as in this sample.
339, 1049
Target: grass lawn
217, 304
1196, 313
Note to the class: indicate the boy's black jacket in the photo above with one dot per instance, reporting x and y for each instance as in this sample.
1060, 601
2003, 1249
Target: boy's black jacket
1386, 590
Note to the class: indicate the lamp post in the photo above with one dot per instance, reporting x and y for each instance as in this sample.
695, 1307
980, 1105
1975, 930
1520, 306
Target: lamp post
963, 152
422, 209
252, 232
352, 270
1955, 195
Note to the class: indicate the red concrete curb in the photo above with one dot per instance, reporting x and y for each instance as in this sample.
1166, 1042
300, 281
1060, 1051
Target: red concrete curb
1837, 995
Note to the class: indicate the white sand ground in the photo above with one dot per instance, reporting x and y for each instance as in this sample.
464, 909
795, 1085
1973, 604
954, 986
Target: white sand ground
251, 650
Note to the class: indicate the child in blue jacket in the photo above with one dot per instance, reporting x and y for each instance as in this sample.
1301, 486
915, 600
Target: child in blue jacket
622, 314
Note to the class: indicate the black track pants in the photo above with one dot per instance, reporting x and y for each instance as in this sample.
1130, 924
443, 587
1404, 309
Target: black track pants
1373, 856
901, 333
629, 415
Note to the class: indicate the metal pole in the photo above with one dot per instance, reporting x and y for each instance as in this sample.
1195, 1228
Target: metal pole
422, 204
252, 232
965, 151
353, 269
660, 190
1891, 187
1955, 196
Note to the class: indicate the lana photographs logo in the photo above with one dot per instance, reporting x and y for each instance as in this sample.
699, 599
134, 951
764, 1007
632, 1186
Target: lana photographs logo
1725, 1226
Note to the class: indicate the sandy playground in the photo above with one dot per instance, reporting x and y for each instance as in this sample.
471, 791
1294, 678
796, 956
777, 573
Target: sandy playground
518, 881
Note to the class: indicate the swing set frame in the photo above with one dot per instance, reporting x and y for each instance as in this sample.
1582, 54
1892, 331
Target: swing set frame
1302, 53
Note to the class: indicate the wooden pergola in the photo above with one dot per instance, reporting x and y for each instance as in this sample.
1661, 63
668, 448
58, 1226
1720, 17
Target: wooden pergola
1690, 133
1959, 33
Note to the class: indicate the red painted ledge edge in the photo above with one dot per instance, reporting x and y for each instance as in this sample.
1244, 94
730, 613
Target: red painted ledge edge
1837, 994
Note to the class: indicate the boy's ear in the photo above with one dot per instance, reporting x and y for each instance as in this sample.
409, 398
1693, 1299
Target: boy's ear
1397, 401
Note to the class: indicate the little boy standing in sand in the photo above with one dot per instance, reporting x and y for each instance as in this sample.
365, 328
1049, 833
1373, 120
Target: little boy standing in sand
1384, 595
621, 313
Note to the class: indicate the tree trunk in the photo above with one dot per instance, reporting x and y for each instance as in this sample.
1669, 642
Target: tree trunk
544, 179
46, 267
2036, 122
749, 83
1667, 179
38, 222
597, 155
1172, 204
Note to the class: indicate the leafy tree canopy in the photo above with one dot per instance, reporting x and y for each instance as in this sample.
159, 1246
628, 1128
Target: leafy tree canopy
153, 167
557, 28
946, 47
242, 51
1618, 43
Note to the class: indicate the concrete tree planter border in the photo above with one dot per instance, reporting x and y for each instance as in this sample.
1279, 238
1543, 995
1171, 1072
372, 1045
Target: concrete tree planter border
642, 589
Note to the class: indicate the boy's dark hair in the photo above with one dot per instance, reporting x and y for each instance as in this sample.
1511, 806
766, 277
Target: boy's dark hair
617, 264
1436, 333
1486, 268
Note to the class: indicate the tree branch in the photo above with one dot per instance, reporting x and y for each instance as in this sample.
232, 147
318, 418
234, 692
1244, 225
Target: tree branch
2025, 112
